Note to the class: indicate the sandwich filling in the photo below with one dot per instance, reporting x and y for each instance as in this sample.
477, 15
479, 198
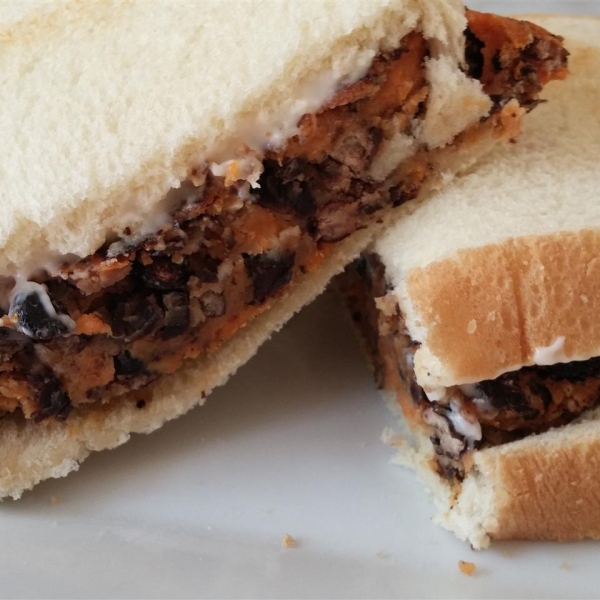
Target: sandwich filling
465, 417
242, 231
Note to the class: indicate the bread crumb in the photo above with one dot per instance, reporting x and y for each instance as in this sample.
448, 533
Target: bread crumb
472, 326
506, 553
382, 554
54, 499
468, 568
391, 438
564, 565
288, 541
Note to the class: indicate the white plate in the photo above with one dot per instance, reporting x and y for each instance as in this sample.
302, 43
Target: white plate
290, 445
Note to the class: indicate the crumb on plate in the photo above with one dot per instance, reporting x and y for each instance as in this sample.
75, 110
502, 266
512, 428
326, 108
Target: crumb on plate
54, 499
288, 541
468, 568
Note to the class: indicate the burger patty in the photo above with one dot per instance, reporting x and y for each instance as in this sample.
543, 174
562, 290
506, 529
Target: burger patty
488, 413
135, 310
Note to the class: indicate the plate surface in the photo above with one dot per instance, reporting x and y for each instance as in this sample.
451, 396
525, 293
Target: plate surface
290, 445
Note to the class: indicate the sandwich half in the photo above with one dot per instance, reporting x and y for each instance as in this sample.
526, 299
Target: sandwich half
479, 311
177, 179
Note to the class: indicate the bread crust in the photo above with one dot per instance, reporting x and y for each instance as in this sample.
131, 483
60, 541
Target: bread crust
546, 487
507, 300
543, 487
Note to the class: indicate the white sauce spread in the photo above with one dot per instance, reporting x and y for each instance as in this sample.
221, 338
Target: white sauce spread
552, 354
471, 430
244, 193
25, 288
270, 130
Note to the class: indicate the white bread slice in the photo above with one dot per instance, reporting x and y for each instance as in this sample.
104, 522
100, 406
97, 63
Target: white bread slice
106, 106
504, 262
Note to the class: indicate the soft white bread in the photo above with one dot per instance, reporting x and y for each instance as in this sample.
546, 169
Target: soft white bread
106, 106
496, 270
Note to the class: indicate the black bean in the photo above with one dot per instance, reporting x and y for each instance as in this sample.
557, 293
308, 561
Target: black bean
537, 388
34, 320
205, 268
505, 392
473, 54
52, 400
403, 193
268, 273
337, 220
284, 188
11, 342
133, 319
496, 62
126, 364
360, 265
575, 372
164, 274
177, 315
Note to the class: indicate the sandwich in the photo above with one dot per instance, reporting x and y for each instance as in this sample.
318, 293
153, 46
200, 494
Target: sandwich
478, 310
177, 179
